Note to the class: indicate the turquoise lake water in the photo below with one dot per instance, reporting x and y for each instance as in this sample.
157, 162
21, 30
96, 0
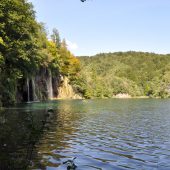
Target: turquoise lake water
104, 134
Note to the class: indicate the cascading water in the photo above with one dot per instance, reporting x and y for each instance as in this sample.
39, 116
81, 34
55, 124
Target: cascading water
36, 86
28, 90
34, 96
50, 85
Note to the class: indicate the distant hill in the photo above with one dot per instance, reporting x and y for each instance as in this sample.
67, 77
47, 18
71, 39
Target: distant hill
132, 73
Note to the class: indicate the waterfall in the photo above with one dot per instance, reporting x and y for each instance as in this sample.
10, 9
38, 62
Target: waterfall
28, 90
50, 85
34, 96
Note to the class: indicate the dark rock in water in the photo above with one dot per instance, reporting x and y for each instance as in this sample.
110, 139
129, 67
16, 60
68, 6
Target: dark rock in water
70, 164
50, 110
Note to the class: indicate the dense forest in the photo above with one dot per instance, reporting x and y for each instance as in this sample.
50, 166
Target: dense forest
25, 50
133, 73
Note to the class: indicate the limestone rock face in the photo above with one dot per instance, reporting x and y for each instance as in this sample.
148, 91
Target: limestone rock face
66, 91
168, 90
36, 88
45, 86
122, 95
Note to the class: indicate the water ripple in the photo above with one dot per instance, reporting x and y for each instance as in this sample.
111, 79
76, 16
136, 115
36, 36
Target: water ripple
108, 135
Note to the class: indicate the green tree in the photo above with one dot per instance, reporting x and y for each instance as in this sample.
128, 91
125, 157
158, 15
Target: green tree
18, 36
134, 73
56, 38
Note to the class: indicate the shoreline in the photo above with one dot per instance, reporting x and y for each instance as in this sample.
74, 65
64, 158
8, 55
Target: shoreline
60, 99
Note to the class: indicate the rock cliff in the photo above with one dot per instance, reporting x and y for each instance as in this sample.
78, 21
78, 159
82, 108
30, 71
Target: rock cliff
66, 91
45, 86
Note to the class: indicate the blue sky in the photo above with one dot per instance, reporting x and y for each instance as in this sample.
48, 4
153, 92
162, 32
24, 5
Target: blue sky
108, 25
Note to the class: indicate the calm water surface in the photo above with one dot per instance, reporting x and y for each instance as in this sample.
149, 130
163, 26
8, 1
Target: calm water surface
108, 134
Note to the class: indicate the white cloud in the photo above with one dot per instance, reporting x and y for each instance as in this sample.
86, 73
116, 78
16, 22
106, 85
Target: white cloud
71, 45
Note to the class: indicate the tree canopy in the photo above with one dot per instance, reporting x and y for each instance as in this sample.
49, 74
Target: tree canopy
24, 48
133, 73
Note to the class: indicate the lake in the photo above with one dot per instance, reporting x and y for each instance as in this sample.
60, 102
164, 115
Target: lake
103, 134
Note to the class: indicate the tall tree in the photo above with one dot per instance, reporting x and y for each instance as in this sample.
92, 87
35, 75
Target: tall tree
18, 32
56, 38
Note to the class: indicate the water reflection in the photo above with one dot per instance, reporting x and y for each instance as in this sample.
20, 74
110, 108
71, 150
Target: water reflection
20, 131
102, 134
58, 137
107, 135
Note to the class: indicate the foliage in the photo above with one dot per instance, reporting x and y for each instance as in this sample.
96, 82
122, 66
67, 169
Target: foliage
18, 30
25, 48
134, 73
69, 65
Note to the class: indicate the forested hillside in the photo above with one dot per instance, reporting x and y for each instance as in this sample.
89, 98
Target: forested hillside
133, 73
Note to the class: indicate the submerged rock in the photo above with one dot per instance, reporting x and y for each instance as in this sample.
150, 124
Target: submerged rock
50, 110
70, 164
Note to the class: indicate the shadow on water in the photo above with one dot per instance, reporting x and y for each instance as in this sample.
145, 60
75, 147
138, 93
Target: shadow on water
20, 132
